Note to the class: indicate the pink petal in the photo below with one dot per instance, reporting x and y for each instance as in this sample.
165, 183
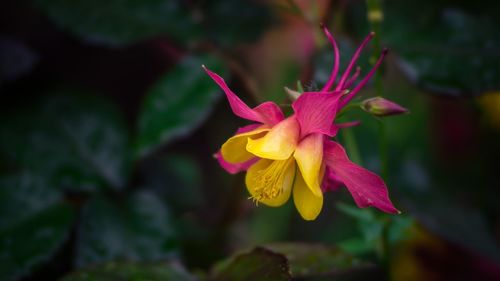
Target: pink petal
367, 188
267, 113
331, 182
315, 112
270, 112
234, 168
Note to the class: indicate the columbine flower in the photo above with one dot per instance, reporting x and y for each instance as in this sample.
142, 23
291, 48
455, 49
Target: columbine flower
295, 154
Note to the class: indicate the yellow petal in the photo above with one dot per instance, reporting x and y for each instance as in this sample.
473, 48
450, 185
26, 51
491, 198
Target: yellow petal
234, 149
309, 156
279, 143
270, 182
308, 204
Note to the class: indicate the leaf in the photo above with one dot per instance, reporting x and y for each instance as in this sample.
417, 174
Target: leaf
178, 103
127, 271
33, 224
373, 227
122, 22
177, 177
22, 195
33, 240
308, 260
259, 264
79, 143
138, 229
445, 46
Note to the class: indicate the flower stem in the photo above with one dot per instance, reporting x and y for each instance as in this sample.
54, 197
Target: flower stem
351, 145
348, 107
384, 169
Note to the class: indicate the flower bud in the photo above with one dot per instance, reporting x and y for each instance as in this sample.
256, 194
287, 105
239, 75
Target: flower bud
381, 107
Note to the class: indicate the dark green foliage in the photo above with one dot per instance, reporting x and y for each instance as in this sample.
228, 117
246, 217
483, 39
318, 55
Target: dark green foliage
126, 271
122, 22
177, 103
309, 259
34, 224
77, 142
259, 264
282, 261
445, 47
137, 229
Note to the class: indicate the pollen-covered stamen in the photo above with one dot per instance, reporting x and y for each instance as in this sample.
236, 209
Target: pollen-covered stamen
365, 80
270, 181
335, 69
353, 61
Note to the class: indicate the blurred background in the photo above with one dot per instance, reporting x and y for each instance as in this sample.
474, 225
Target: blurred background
109, 124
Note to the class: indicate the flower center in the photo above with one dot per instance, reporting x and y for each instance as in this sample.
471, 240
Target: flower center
270, 181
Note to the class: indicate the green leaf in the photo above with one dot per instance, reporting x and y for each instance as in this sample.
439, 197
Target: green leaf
178, 103
357, 246
308, 260
22, 195
79, 143
259, 264
33, 240
445, 46
121, 22
33, 225
138, 229
127, 271
400, 228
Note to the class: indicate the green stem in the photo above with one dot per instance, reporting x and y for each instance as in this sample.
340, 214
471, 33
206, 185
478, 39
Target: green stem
351, 145
348, 107
375, 17
384, 169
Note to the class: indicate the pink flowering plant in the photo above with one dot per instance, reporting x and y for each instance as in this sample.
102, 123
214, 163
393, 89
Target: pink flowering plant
295, 155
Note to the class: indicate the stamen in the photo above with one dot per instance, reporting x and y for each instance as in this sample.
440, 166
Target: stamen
353, 60
335, 69
365, 80
269, 182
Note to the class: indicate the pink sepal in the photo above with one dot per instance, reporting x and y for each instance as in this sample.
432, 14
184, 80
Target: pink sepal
367, 188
